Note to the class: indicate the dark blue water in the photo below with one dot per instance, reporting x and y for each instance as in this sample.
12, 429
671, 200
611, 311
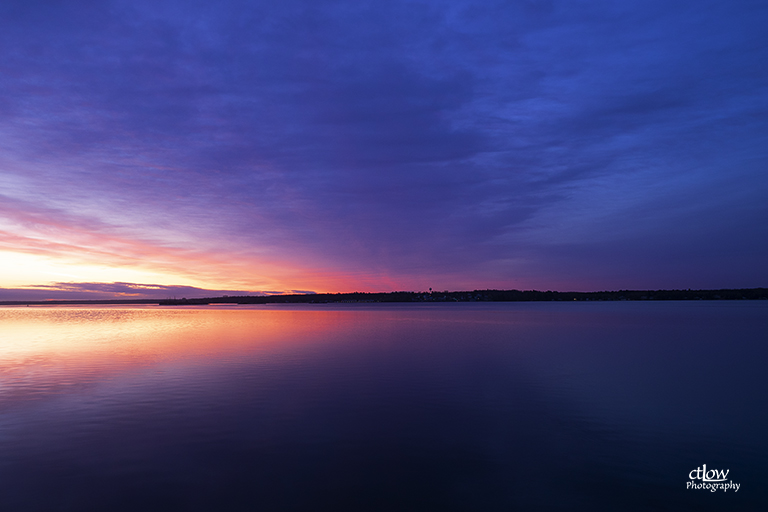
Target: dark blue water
511, 406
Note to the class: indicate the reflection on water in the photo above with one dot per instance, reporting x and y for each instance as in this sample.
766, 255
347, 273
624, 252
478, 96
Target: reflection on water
542, 406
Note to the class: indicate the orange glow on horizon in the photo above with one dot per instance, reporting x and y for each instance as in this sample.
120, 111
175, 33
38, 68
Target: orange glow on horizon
27, 261
37, 252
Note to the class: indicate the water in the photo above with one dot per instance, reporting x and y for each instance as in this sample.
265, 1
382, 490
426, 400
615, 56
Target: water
506, 406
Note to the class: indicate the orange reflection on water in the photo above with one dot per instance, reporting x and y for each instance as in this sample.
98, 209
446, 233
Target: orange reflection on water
48, 349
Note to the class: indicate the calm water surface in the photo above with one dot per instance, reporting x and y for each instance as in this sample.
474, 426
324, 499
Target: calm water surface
483, 407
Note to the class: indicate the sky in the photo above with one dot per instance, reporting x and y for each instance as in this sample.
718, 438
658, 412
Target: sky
163, 148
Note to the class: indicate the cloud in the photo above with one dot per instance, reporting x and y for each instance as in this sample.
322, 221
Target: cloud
107, 291
380, 144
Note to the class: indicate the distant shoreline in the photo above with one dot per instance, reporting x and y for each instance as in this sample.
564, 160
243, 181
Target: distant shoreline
445, 296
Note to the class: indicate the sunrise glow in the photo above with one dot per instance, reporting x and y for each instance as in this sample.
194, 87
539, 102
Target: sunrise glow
150, 151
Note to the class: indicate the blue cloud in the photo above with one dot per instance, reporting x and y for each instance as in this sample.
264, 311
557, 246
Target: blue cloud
405, 138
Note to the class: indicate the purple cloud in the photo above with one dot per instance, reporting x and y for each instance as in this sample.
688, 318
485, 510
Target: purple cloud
105, 291
402, 145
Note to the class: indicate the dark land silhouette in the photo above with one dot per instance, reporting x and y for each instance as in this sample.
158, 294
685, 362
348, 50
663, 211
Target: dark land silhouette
433, 296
